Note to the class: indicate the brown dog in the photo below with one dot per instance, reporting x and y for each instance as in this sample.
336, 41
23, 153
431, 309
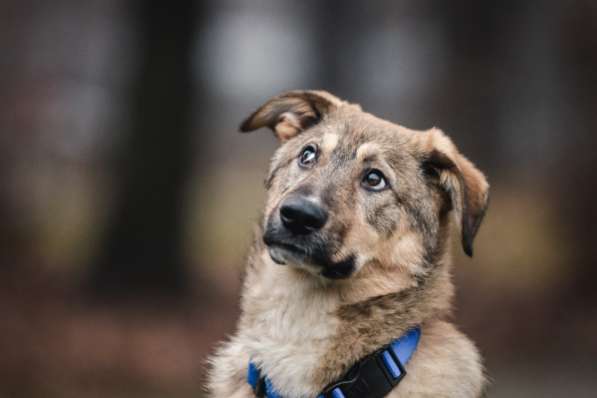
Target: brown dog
353, 252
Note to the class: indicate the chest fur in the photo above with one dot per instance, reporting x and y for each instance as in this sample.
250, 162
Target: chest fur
287, 334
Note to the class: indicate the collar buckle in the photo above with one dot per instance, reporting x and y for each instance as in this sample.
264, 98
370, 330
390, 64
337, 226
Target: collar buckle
372, 377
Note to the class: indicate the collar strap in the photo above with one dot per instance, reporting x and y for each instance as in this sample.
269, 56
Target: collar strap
373, 376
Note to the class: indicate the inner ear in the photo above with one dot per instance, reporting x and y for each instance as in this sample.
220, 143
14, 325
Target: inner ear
288, 114
435, 163
466, 190
434, 168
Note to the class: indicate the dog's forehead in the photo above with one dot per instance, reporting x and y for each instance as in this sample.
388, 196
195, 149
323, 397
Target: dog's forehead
349, 134
360, 135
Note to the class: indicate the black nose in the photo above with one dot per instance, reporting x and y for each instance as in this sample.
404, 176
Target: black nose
302, 216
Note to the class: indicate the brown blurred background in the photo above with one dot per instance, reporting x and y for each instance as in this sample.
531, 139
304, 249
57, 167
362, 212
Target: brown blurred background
127, 198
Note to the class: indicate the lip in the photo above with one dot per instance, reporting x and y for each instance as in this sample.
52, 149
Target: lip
288, 247
282, 252
271, 241
279, 250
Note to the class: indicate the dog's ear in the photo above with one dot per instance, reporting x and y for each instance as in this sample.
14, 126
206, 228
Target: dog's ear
466, 186
292, 112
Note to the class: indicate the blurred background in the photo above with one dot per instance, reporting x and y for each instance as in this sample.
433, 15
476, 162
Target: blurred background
127, 198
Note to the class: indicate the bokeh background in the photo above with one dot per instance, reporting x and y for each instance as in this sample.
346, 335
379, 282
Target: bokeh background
127, 198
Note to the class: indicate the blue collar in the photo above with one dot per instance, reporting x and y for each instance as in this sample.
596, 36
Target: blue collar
373, 376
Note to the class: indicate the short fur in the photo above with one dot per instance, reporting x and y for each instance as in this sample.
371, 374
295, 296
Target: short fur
379, 266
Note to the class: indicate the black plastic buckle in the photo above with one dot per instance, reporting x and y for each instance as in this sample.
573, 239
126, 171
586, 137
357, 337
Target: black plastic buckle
368, 378
259, 389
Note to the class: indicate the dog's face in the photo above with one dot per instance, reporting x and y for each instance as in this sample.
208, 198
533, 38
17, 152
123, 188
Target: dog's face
346, 189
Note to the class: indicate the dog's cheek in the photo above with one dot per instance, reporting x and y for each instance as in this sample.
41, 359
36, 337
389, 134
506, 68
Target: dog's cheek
384, 218
362, 239
402, 248
405, 252
381, 212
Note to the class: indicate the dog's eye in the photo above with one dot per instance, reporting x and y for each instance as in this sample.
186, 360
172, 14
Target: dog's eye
308, 156
374, 180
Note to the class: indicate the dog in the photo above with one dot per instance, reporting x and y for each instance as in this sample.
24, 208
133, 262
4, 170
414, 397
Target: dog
352, 255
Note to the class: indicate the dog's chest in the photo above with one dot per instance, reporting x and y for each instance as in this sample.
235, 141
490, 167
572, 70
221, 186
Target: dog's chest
288, 335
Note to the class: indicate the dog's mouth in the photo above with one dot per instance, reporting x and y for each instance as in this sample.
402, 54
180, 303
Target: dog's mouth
317, 261
283, 252
279, 252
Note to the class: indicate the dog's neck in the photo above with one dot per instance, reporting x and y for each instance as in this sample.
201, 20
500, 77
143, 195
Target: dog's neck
360, 314
374, 322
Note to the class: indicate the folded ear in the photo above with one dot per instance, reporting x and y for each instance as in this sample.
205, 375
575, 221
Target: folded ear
466, 185
292, 112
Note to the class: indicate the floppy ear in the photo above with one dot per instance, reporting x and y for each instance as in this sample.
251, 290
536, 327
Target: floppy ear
466, 185
292, 112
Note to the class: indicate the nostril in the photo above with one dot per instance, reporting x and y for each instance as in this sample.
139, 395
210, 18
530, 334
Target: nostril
289, 214
302, 216
315, 220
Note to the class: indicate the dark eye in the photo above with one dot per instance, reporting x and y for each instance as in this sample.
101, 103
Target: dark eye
308, 156
374, 180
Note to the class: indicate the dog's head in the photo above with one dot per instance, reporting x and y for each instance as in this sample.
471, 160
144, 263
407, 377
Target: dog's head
346, 189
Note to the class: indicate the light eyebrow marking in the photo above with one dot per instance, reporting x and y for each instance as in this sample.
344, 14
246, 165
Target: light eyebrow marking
367, 151
329, 142
370, 158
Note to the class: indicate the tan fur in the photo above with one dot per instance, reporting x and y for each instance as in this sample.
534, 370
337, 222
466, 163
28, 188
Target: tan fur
304, 330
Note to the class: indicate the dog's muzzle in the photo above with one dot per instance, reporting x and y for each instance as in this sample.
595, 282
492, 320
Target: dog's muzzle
294, 234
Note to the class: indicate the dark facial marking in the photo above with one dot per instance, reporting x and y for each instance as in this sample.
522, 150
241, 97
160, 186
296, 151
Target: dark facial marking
339, 270
270, 178
384, 218
424, 219
329, 195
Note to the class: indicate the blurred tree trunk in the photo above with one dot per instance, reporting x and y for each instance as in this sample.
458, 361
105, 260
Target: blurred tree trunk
141, 252
576, 168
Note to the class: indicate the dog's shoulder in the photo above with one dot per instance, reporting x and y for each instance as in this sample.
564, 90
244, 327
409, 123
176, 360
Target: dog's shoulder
227, 369
446, 364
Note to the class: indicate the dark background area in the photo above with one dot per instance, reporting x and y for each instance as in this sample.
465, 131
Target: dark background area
127, 198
